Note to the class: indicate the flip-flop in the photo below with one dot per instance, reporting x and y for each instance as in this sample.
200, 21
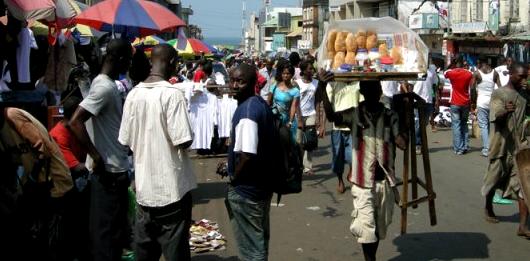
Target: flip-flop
491, 219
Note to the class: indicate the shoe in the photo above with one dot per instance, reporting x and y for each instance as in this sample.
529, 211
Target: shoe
501, 201
418, 150
459, 152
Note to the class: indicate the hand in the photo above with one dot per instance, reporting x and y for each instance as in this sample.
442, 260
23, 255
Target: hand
98, 166
509, 107
300, 125
325, 76
401, 142
321, 131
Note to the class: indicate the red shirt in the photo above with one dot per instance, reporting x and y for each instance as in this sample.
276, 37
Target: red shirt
460, 80
70, 147
260, 82
198, 76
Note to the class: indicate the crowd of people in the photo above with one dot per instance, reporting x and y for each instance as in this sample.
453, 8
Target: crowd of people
127, 127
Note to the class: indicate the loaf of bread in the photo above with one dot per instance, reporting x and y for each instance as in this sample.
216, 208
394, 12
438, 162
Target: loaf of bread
351, 44
371, 41
339, 59
340, 42
332, 36
383, 50
360, 39
396, 55
350, 58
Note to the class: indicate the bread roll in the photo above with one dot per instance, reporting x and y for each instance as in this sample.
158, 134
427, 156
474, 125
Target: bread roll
383, 50
338, 60
340, 42
396, 55
361, 41
371, 41
351, 45
332, 36
370, 33
350, 58
360, 33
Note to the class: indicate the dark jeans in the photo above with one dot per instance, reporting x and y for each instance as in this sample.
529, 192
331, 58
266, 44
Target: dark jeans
163, 230
109, 229
250, 222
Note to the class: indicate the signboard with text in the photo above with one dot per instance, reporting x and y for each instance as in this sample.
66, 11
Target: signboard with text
473, 27
493, 15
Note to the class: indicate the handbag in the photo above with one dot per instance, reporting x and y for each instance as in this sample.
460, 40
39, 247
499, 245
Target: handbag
309, 138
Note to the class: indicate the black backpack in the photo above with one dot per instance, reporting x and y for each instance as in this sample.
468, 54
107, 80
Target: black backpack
287, 157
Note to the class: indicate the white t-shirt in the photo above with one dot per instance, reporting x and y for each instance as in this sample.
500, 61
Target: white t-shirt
105, 103
307, 97
390, 88
155, 122
485, 89
502, 70
425, 88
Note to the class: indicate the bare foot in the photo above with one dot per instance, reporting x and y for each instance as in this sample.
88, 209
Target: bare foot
523, 232
490, 216
340, 188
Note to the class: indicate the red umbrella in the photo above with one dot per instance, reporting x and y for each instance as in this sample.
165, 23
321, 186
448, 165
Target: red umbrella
198, 46
132, 17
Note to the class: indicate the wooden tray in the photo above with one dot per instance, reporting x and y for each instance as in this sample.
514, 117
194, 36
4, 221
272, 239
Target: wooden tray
376, 76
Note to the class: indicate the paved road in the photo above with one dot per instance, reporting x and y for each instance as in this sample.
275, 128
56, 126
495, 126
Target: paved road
301, 231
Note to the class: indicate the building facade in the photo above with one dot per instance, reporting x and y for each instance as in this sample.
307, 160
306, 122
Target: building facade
315, 14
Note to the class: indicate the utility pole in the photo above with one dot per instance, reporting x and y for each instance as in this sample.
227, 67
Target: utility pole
243, 18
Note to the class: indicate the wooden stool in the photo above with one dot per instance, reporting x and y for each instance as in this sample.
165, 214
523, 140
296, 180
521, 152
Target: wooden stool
405, 107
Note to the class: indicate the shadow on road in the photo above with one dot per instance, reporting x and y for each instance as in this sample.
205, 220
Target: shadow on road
208, 191
213, 258
442, 246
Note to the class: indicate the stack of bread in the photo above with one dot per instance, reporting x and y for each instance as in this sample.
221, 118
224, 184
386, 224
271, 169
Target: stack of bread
342, 47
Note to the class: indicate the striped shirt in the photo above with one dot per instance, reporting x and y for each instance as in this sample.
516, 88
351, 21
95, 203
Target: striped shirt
374, 145
155, 121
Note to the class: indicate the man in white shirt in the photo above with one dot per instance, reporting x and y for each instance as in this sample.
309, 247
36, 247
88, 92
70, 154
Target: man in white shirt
107, 158
503, 70
156, 127
425, 89
269, 73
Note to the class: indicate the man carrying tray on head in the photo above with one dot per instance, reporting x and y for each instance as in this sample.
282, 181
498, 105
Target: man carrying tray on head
375, 135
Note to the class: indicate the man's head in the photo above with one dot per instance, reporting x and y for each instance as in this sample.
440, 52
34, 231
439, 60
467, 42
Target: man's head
69, 107
518, 75
242, 81
307, 70
371, 91
207, 68
294, 59
483, 61
509, 61
501, 61
459, 62
164, 60
118, 55
269, 63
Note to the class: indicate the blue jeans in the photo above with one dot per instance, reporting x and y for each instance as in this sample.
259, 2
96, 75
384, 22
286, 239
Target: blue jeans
341, 146
429, 109
250, 223
483, 115
459, 117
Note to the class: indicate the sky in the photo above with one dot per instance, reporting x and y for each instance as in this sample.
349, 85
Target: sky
222, 18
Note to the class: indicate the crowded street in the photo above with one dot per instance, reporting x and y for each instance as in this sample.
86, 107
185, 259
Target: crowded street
313, 225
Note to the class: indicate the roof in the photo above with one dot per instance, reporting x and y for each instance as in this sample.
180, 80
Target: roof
296, 33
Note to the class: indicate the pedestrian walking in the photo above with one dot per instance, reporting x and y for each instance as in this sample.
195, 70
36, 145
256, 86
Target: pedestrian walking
269, 73
460, 79
107, 159
485, 80
308, 87
156, 127
503, 70
509, 111
425, 89
373, 187
252, 139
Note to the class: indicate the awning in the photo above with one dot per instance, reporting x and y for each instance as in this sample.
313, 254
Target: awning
295, 33
517, 37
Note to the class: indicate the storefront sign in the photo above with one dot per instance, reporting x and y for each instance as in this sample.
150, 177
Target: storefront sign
303, 44
424, 21
474, 27
416, 21
493, 17
335, 8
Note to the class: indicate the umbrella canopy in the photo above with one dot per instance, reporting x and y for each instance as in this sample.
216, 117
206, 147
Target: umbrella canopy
58, 12
131, 17
193, 47
148, 41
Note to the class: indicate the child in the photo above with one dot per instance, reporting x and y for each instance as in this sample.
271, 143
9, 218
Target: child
375, 135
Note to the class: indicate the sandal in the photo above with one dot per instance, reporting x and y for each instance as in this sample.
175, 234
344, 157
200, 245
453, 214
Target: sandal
491, 219
525, 234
